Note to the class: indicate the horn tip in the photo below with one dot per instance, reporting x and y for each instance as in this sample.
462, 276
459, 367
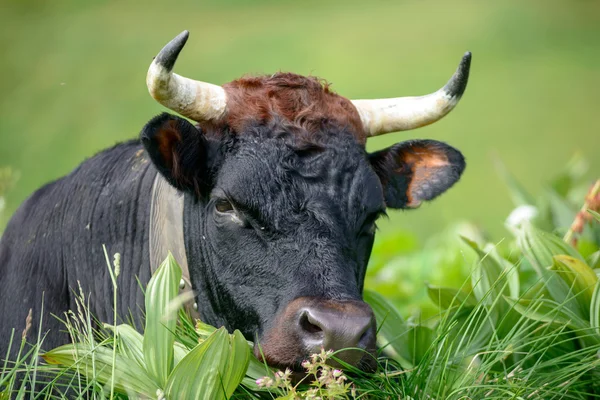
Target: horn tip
465, 63
458, 83
168, 55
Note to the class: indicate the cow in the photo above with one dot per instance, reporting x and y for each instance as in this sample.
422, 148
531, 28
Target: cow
268, 200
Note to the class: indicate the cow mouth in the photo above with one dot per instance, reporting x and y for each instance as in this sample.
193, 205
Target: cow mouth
367, 362
362, 359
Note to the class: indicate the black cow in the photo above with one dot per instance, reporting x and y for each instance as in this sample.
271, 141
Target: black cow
270, 201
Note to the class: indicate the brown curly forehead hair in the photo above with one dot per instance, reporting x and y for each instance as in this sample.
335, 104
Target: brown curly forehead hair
306, 102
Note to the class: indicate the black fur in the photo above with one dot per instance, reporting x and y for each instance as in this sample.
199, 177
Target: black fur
305, 227
55, 241
302, 224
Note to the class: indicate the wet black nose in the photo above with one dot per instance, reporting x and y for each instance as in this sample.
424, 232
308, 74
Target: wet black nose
335, 327
309, 324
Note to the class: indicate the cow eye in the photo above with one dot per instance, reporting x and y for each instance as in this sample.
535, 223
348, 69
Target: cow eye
369, 229
223, 206
370, 226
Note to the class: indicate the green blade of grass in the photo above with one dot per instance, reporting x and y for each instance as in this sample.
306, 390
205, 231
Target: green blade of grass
445, 297
392, 329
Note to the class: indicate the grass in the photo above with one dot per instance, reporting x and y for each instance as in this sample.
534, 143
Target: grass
73, 83
502, 333
519, 319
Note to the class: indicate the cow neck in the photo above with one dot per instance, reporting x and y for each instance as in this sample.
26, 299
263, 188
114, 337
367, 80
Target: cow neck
166, 234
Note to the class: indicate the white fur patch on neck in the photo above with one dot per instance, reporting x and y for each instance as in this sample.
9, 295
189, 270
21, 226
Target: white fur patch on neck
166, 233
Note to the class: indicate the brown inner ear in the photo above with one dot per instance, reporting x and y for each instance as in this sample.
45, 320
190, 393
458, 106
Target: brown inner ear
422, 164
167, 138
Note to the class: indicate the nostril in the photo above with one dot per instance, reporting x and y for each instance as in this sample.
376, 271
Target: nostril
365, 336
308, 326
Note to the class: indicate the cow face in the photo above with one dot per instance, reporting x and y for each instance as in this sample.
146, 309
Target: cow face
280, 223
282, 198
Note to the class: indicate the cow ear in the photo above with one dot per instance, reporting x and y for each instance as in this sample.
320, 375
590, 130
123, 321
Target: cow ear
180, 152
417, 170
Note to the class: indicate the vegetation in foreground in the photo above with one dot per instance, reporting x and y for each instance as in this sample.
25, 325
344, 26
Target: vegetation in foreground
523, 323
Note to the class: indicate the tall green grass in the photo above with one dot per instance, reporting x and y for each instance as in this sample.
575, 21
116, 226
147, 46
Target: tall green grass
523, 323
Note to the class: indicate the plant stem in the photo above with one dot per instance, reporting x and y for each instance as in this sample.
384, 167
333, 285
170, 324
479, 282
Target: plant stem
577, 225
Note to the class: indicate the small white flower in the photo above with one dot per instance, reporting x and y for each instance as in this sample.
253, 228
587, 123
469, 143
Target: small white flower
520, 215
264, 382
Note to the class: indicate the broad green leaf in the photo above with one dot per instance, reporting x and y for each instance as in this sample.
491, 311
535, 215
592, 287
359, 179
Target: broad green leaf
446, 297
510, 272
580, 278
204, 330
539, 247
419, 340
158, 336
129, 378
256, 370
208, 371
179, 351
485, 277
392, 329
239, 358
130, 342
595, 309
545, 310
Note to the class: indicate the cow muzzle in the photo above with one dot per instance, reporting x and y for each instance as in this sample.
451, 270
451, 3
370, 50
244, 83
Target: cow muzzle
309, 324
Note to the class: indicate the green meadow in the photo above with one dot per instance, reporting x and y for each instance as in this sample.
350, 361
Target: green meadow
72, 79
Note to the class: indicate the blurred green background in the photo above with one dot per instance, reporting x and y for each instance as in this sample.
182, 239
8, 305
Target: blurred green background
72, 78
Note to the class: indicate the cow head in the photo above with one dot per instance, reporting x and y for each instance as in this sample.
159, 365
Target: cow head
282, 198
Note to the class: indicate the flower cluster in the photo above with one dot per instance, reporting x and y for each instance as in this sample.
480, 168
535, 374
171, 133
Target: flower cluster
326, 382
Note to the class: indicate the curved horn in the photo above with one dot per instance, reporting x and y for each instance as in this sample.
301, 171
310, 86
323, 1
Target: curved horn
196, 100
403, 113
